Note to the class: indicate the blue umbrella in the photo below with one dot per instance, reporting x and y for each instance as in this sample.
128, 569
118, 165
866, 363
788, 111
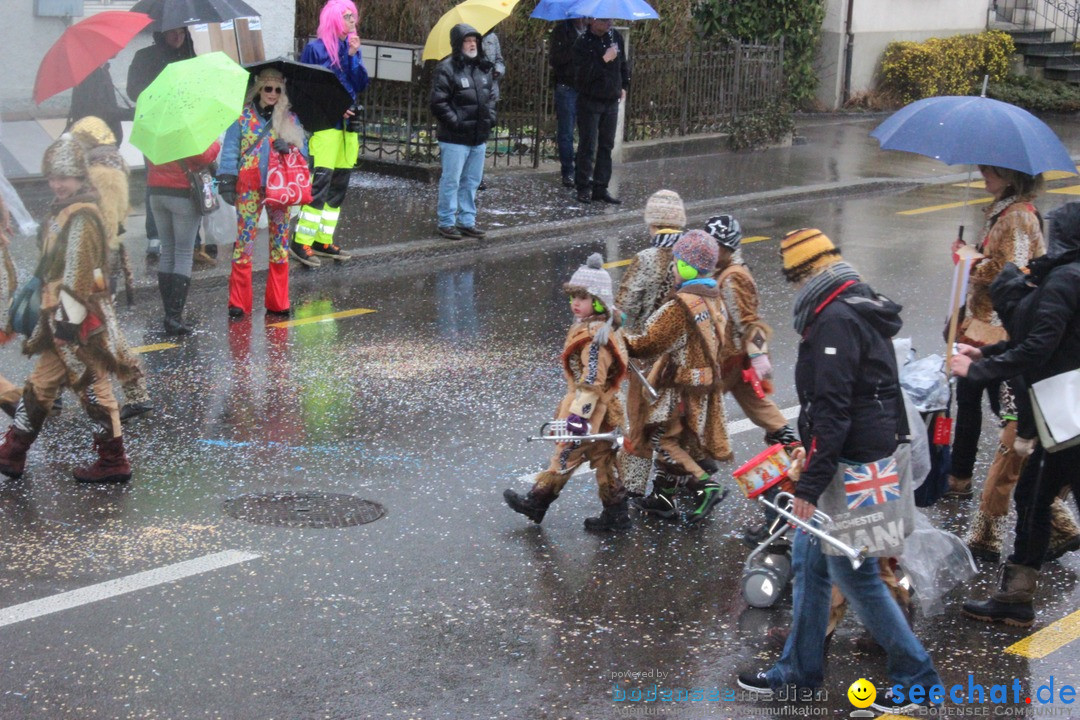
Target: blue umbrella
615, 9
963, 130
553, 10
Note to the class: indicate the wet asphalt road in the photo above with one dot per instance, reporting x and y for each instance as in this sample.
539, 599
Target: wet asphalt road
450, 606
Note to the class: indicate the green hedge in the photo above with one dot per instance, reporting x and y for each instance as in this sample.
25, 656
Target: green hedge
1037, 95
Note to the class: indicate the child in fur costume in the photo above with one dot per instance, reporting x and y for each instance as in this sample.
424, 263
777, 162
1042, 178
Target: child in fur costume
71, 338
686, 424
109, 175
594, 363
645, 285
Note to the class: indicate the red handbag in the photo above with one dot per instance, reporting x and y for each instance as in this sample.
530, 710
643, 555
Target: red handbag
288, 179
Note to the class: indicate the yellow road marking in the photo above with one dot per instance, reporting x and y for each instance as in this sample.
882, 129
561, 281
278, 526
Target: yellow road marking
946, 206
754, 239
153, 348
618, 263
321, 318
1057, 175
1071, 190
1050, 638
972, 184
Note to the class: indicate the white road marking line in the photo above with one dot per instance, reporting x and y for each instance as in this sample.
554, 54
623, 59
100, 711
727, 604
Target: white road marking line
739, 426
121, 586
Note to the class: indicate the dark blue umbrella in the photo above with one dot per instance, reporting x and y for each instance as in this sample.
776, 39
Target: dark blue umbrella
964, 130
553, 10
615, 9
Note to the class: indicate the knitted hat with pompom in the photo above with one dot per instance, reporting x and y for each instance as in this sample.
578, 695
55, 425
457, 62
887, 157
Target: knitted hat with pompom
593, 279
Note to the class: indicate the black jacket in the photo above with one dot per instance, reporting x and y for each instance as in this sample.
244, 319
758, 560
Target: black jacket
561, 53
148, 63
848, 386
462, 93
596, 79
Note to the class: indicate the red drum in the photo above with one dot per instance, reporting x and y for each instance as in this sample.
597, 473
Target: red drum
765, 471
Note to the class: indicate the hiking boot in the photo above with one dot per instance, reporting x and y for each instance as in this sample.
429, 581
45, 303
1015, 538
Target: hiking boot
330, 250
707, 498
112, 464
614, 517
303, 254
132, 410
658, 503
606, 197
528, 505
1013, 602
450, 232
472, 231
958, 488
986, 536
13, 452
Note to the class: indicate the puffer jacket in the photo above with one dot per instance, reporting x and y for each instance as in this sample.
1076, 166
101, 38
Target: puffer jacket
171, 178
463, 93
848, 387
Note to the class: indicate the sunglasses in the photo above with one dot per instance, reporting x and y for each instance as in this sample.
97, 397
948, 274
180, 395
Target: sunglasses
270, 89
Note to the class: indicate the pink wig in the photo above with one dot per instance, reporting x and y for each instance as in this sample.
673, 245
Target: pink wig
332, 25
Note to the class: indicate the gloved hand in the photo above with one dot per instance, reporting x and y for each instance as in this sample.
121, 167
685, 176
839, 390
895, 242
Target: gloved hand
281, 145
1024, 446
761, 366
577, 425
227, 188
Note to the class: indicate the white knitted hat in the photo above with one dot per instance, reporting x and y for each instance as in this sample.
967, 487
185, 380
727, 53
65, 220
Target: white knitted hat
665, 209
593, 279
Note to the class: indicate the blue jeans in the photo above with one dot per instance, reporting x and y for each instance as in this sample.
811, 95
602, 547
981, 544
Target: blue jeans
462, 171
566, 113
801, 663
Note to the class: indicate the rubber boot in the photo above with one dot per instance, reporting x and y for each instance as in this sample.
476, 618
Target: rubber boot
708, 496
240, 290
174, 309
13, 452
958, 488
614, 517
112, 465
986, 536
530, 505
1064, 534
277, 288
1013, 602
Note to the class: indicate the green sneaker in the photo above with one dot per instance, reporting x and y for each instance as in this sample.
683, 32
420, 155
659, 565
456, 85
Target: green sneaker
708, 497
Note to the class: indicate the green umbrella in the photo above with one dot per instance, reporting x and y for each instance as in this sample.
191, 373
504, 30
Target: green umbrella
188, 106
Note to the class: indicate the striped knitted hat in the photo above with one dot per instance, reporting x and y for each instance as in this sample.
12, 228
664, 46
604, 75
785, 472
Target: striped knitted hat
806, 251
593, 279
665, 209
697, 249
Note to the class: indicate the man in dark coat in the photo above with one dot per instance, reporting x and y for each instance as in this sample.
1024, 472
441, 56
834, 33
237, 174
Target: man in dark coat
603, 77
1041, 311
564, 77
463, 103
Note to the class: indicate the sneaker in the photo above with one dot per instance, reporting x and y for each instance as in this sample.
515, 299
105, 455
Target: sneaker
659, 504
330, 250
755, 682
153, 249
583, 196
304, 254
473, 231
449, 231
705, 500
886, 704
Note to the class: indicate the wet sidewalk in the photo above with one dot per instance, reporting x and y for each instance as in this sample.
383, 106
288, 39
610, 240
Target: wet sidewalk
388, 218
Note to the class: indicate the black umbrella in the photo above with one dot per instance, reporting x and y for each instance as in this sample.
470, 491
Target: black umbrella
171, 14
317, 97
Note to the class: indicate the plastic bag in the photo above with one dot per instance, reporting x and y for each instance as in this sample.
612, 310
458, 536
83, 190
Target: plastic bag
926, 383
20, 218
219, 226
920, 443
935, 561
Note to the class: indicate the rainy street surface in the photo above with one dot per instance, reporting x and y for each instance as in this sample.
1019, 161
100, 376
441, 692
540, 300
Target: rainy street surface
395, 403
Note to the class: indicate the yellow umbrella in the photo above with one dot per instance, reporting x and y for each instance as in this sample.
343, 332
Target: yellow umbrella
481, 14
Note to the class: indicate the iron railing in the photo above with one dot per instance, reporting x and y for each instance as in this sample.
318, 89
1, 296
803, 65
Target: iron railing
1061, 16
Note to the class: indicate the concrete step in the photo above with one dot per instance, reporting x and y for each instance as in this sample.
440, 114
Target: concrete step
1045, 48
1068, 62
1063, 75
1031, 36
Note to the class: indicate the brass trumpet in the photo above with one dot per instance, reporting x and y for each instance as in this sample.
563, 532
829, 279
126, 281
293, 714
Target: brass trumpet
649, 389
555, 431
856, 557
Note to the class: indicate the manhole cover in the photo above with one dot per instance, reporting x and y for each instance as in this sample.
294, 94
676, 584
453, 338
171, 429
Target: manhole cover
304, 509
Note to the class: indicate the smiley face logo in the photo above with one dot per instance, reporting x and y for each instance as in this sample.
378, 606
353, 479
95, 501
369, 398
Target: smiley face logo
861, 693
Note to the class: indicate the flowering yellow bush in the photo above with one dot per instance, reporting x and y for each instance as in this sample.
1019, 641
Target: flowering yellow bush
945, 66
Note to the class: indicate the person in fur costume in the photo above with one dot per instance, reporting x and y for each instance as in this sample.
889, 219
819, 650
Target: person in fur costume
686, 425
71, 339
109, 175
645, 285
9, 391
594, 363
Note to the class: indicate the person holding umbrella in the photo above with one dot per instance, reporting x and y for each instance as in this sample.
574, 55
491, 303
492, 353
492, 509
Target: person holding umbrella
603, 77
265, 126
333, 151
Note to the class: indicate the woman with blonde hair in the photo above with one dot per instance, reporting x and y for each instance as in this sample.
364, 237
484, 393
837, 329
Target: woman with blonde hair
266, 125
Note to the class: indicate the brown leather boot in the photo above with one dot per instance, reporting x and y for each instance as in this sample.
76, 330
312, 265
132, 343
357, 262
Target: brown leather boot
13, 452
112, 465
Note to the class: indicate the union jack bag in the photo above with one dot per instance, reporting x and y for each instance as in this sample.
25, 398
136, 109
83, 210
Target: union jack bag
288, 179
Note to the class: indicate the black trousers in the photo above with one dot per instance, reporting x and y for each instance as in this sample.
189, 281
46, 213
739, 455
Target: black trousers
597, 121
1043, 478
968, 426
328, 186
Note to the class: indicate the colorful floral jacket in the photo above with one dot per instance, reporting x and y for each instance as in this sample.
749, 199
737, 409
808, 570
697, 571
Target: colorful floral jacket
241, 157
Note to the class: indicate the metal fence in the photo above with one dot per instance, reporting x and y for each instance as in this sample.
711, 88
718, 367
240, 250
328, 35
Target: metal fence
1061, 16
696, 90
